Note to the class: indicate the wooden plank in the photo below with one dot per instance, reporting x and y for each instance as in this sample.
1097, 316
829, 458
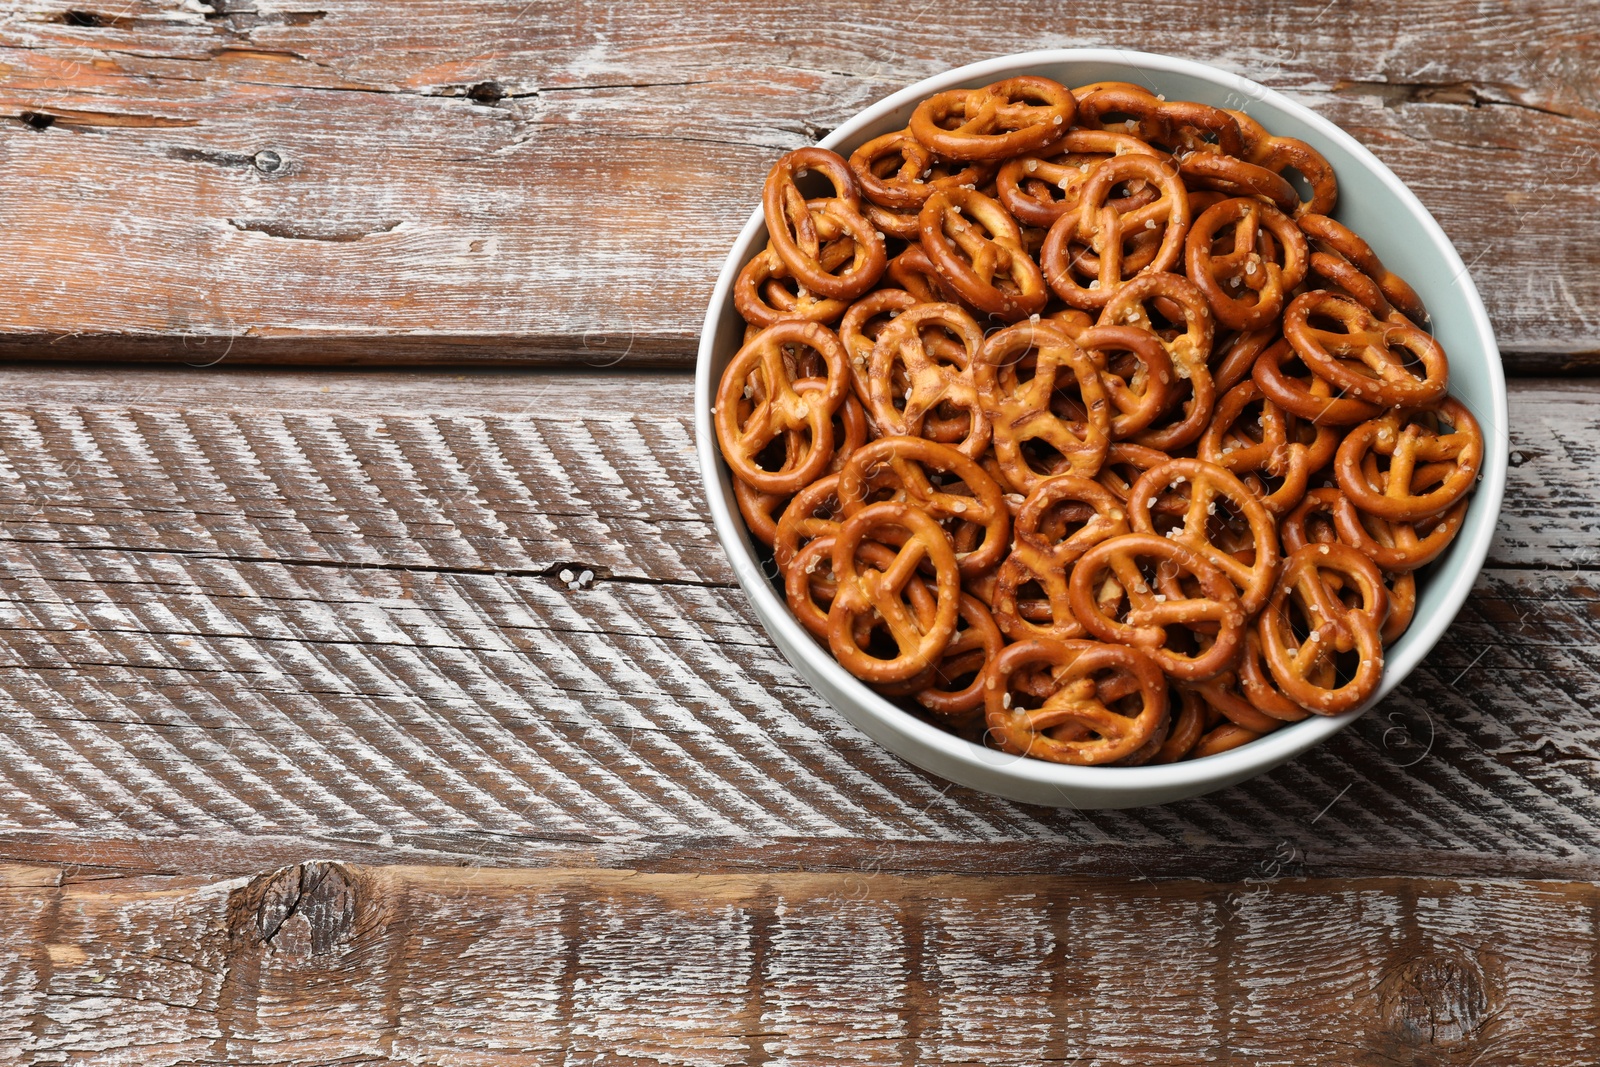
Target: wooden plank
244, 615
493, 180
332, 962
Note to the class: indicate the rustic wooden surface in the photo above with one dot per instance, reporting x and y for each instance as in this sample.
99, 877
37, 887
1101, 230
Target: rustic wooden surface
254, 618
332, 963
491, 180
293, 610
310, 754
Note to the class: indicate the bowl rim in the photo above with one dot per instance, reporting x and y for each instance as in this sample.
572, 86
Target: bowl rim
1190, 776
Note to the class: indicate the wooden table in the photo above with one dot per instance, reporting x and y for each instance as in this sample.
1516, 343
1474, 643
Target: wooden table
311, 751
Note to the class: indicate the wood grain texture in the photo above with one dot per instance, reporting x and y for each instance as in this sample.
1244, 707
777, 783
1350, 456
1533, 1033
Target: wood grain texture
247, 614
328, 962
494, 180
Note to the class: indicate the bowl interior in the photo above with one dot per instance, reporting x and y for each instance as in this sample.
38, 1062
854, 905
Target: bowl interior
1373, 203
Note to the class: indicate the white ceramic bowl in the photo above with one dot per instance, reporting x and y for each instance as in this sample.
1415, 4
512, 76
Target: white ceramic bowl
1374, 203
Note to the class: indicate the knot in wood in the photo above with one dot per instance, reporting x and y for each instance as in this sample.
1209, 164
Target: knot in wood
1439, 997
307, 909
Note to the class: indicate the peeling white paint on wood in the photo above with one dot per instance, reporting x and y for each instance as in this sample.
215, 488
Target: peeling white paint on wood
342, 627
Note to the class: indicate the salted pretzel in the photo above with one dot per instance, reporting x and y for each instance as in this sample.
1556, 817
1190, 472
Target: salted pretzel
940, 689
1304, 394
1245, 284
798, 228
976, 248
1283, 154
1021, 412
1188, 349
1258, 687
762, 297
1326, 516
901, 223
850, 427
760, 510
859, 330
809, 587
1006, 118
1179, 127
904, 469
1038, 189
1131, 590
897, 171
1188, 723
934, 376
1433, 460
1107, 699
1102, 228
1223, 738
1123, 452
1368, 357
1136, 372
1201, 128
1332, 627
1061, 519
1277, 457
811, 513
1125, 463
757, 402
1203, 524
863, 588
1123, 107
1191, 328
1398, 546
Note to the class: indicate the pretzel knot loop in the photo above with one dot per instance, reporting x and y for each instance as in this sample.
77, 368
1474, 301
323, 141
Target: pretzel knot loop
1282, 449
929, 348
1038, 189
1223, 522
1188, 338
1306, 395
1433, 457
976, 249
1059, 521
1112, 245
1245, 284
939, 481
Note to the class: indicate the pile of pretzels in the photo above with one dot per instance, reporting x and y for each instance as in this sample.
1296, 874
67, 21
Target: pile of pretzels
1074, 423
